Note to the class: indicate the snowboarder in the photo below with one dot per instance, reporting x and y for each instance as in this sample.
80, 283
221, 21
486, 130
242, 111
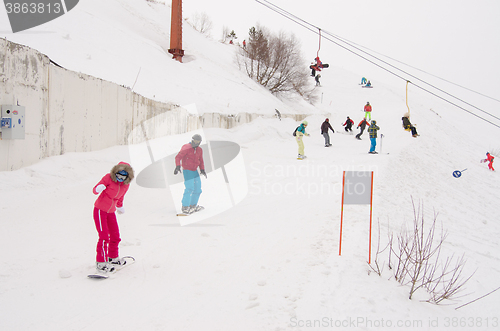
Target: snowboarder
489, 158
324, 131
244, 44
362, 125
318, 76
299, 135
372, 130
368, 111
191, 157
348, 124
317, 66
363, 81
111, 189
408, 126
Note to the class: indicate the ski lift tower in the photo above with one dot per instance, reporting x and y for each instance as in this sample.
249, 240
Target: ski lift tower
176, 31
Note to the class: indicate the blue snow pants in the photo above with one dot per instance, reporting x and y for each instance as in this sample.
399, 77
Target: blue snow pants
192, 189
374, 143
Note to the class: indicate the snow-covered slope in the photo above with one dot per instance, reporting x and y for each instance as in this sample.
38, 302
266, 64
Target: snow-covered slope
126, 42
271, 262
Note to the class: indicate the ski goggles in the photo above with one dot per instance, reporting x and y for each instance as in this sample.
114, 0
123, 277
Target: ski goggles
121, 175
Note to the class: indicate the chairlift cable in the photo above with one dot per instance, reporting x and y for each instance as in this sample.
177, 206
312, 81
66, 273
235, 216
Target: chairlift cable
305, 24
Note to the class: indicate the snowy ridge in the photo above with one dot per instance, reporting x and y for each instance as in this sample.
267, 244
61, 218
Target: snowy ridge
271, 262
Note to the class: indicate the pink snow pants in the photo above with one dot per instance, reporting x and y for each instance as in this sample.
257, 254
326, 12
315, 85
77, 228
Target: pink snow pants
109, 235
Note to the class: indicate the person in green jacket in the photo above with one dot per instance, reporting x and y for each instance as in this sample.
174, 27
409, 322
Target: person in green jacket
372, 130
300, 133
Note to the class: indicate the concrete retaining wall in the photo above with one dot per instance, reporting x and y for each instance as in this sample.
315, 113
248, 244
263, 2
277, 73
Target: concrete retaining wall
73, 112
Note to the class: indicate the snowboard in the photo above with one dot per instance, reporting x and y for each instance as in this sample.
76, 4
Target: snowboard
97, 275
184, 214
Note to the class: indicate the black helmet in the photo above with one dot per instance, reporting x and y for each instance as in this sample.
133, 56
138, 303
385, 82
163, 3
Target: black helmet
196, 140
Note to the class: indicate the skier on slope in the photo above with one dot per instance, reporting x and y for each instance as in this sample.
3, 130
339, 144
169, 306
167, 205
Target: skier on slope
368, 111
372, 130
111, 189
489, 158
191, 157
348, 124
324, 131
362, 125
299, 137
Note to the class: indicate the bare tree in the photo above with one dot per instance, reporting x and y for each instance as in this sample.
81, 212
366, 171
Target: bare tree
225, 34
202, 23
274, 62
418, 264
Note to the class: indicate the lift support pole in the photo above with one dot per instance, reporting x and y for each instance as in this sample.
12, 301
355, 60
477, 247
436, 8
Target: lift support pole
176, 31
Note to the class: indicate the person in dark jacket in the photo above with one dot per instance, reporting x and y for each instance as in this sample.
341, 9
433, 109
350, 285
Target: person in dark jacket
348, 124
324, 131
408, 126
362, 125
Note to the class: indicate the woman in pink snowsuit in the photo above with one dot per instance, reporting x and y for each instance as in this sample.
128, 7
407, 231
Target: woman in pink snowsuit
489, 158
112, 188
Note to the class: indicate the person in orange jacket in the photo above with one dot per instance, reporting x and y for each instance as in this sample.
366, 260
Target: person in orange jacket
489, 158
363, 124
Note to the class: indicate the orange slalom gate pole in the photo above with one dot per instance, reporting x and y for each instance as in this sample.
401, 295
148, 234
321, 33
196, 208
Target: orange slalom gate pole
341, 215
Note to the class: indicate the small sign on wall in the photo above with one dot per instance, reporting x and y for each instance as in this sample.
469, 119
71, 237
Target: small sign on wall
12, 122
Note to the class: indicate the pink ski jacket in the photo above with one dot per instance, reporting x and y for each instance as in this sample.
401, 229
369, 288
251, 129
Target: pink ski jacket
191, 158
112, 196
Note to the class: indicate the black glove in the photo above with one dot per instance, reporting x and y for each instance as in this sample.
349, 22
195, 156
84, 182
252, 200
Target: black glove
177, 170
202, 171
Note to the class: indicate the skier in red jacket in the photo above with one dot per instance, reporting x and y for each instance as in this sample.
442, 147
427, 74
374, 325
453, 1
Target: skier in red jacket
111, 189
368, 111
489, 158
